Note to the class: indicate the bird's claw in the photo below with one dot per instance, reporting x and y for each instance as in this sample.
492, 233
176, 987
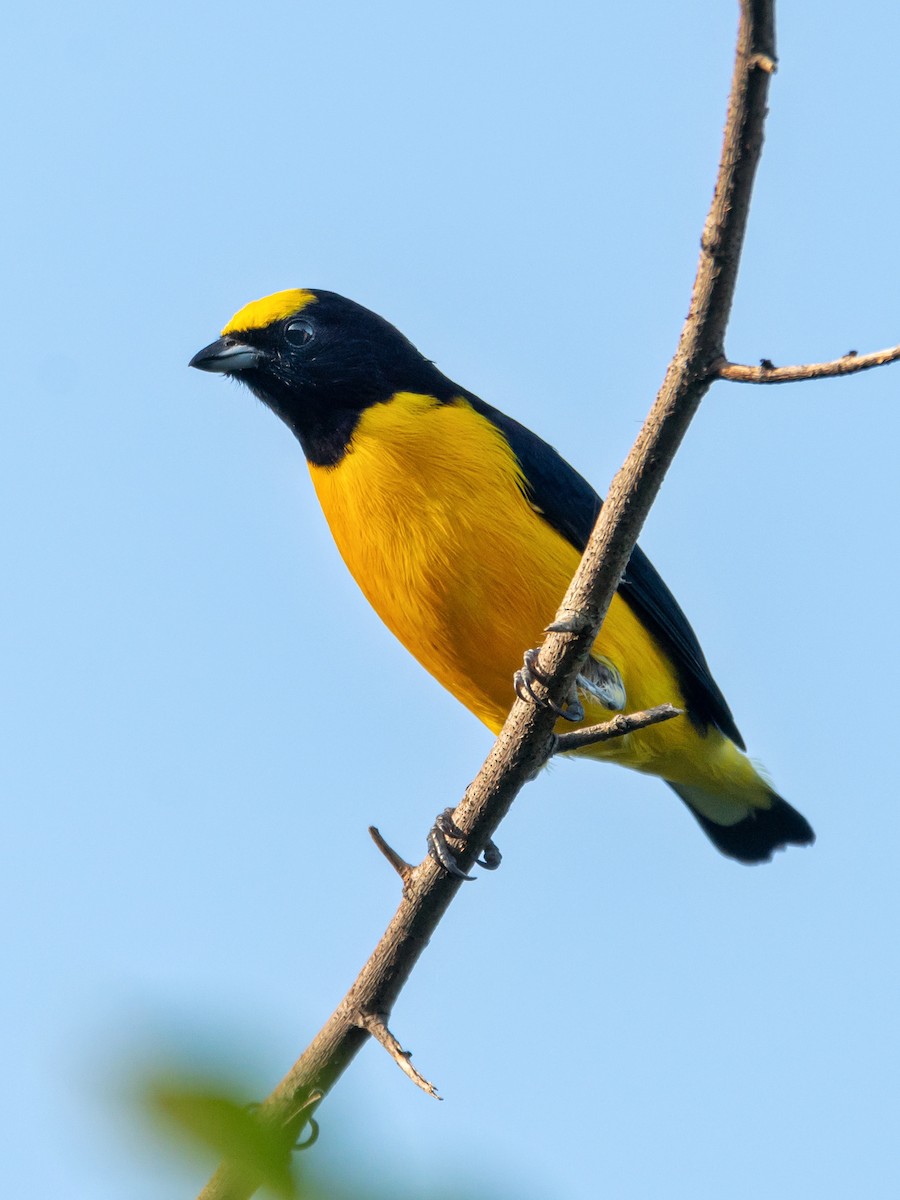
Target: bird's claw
445, 823
443, 855
524, 680
445, 827
491, 857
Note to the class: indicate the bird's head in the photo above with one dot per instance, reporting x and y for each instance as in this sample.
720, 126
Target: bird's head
318, 361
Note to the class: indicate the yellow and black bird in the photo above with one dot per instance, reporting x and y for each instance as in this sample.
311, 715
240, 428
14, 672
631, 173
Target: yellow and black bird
463, 530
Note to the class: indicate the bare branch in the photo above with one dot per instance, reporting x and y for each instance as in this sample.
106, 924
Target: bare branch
527, 739
848, 365
618, 726
692, 368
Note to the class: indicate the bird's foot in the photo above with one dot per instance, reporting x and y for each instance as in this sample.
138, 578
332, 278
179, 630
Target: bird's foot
445, 827
529, 674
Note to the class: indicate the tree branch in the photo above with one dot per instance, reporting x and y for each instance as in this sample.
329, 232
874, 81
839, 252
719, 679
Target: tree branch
527, 739
618, 726
767, 373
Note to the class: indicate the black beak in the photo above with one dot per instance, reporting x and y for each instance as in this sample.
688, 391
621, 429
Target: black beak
227, 356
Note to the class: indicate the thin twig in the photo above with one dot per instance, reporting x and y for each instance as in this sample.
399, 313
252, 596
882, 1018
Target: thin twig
377, 1026
618, 726
400, 865
526, 740
848, 365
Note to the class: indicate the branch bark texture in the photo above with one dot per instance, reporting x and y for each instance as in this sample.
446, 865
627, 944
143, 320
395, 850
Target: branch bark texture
848, 364
527, 739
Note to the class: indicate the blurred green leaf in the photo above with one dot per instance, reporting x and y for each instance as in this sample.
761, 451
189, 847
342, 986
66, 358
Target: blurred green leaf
211, 1116
215, 1119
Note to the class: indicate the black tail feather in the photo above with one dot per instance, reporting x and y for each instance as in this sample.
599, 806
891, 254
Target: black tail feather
757, 836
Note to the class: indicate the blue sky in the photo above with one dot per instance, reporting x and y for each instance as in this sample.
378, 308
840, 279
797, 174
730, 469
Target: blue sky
201, 715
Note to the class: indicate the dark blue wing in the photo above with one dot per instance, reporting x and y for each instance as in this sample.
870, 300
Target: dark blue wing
570, 505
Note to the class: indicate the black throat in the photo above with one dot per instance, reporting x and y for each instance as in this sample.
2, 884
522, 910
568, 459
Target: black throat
323, 424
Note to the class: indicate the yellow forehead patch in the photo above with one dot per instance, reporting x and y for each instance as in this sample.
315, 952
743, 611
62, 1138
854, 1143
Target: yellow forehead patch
260, 313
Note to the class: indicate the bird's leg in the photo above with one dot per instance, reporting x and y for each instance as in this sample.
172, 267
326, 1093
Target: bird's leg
524, 680
599, 678
445, 827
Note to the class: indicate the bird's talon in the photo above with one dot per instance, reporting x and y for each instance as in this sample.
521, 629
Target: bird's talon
555, 708
448, 827
445, 827
523, 683
311, 1138
524, 690
491, 857
531, 666
443, 855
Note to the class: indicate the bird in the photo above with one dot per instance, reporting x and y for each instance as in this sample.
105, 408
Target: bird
463, 529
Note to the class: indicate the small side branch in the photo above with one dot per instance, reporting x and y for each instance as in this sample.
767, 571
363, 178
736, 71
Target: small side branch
620, 724
374, 1024
767, 373
400, 865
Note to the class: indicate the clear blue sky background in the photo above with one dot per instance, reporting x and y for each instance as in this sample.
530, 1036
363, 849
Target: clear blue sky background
200, 715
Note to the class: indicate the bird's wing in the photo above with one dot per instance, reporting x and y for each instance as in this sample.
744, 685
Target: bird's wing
644, 589
569, 504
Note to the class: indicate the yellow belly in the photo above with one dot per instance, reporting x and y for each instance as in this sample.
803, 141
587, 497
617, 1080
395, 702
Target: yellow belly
428, 512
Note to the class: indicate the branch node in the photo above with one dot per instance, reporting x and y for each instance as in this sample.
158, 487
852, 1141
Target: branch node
375, 1024
400, 865
570, 620
848, 364
762, 62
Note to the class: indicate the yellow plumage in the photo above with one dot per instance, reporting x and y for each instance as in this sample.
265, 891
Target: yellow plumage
413, 501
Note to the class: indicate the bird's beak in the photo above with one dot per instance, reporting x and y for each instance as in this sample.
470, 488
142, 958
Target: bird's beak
226, 356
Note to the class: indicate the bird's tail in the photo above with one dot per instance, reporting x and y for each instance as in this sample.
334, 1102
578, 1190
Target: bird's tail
748, 833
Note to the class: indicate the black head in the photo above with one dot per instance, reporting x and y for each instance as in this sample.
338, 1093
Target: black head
318, 361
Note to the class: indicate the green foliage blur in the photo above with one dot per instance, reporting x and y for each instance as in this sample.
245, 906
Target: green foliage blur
212, 1119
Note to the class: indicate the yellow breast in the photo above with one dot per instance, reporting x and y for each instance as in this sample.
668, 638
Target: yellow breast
429, 513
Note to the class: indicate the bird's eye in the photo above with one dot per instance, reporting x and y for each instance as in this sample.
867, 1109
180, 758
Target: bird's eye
298, 333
